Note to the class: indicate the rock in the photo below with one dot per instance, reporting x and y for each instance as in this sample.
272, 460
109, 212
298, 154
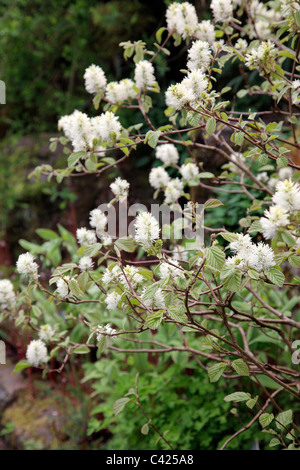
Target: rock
10, 385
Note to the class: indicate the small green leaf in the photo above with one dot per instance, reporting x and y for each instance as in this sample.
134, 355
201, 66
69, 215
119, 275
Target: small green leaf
211, 125
275, 276
240, 367
265, 419
154, 319
211, 203
81, 350
238, 396
119, 405
215, 371
23, 364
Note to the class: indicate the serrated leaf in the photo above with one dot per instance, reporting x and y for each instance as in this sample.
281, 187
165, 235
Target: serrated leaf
215, 257
252, 402
230, 237
74, 288
215, 371
75, 157
294, 261
178, 314
154, 319
238, 396
211, 203
284, 419
210, 125
119, 405
240, 367
274, 442
265, 419
275, 276
126, 244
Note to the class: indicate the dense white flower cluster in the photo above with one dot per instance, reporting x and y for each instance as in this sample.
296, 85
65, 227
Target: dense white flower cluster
95, 80
189, 91
199, 55
286, 202
173, 191
112, 300
46, 333
131, 275
189, 171
86, 263
158, 178
206, 32
62, 287
261, 57
26, 265
274, 218
156, 301
120, 188
222, 10
172, 270
248, 255
82, 130
146, 230
7, 294
85, 237
98, 220
144, 74
182, 19
36, 353
106, 332
168, 154
118, 92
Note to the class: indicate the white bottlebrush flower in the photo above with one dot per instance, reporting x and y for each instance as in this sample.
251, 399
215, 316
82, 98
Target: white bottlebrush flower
106, 240
206, 31
242, 245
199, 55
241, 45
178, 96
86, 263
95, 79
222, 10
263, 177
285, 173
106, 127
236, 262
85, 237
196, 83
173, 191
46, 333
120, 188
112, 300
7, 294
274, 218
77, 127
106, 332
236, 159
111, 274
261, 258
189, 171
26, 265
168, 154
98, 220
272, 183
182, 19
36, 353
144, 74
118, 92
263, 56
131, 275
146, 230
287, 195
172, 270
62, 287
156, 301
158, 178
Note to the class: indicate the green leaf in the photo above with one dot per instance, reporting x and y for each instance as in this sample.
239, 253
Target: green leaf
75, 157
81, 349
265, 419
126, 244
240, 367
92, 250
274, 442
230, 237
46, 234
23, 364
252, 402
154, 319
178, 314
145, 429
215, 371
74, 288
238, 396
159, 34
275, 276
232, 279
288, 238
152, 138
211, 203
211, 125
215, 257
119, 405
294, 261
284, 419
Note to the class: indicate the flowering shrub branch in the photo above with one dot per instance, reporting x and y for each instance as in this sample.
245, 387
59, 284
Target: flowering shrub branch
217, 295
